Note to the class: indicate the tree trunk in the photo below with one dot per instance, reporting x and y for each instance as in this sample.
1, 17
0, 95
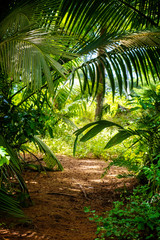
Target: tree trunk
100, 95
99, 106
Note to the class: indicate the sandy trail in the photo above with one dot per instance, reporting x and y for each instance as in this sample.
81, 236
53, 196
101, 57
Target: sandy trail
59, 200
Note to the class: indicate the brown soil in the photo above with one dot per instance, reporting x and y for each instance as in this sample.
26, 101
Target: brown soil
59, 200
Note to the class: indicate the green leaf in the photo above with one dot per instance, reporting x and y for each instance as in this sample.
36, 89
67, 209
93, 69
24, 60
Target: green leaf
57, 66
4, 160
75, 145
50, 130
2, 152
14, 158
122, 135
97, 127
100, 125
43, 147
10, 206
103, 124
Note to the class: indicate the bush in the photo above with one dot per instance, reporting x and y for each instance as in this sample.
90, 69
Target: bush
137, 219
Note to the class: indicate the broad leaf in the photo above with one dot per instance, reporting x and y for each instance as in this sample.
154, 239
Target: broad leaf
43, 147
122, 135
97, 127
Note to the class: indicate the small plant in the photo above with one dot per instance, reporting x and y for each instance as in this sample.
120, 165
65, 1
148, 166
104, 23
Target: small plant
152, 174
138, 219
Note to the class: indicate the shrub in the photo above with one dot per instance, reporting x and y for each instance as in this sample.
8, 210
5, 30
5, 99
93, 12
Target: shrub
138, 219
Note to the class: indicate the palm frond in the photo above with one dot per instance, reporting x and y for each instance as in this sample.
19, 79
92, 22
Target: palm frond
150, 38
96, 127
148, 9
9, 206
135, 55
43, 147
38, 13
28, 52
83, 16
13, 157
93, 129
128, 53
28, 56
122, 135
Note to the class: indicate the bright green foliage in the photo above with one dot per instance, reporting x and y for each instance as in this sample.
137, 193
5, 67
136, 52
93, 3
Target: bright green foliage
4, 158
53, 160
152, 173
144, 132
25, 114
137, 219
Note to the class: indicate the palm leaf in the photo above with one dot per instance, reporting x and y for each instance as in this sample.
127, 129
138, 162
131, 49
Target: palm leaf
97, 127
27, 52
9, 206
125, 53
28, 56
87, 19
122, 135
82, 16
81, 21
148, 9
43, 147
136, 54
13, 156
38, 13
102, 123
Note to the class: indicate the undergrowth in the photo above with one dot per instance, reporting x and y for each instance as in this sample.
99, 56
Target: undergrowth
63, 137
138, 219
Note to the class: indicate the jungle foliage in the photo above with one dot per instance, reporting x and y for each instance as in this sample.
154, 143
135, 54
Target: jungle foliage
135, 216
41, 45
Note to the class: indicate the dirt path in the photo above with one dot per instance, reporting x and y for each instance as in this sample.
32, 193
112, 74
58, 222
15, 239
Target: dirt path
59, 200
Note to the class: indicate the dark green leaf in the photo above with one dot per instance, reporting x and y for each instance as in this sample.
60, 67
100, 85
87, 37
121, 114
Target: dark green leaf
122, 135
